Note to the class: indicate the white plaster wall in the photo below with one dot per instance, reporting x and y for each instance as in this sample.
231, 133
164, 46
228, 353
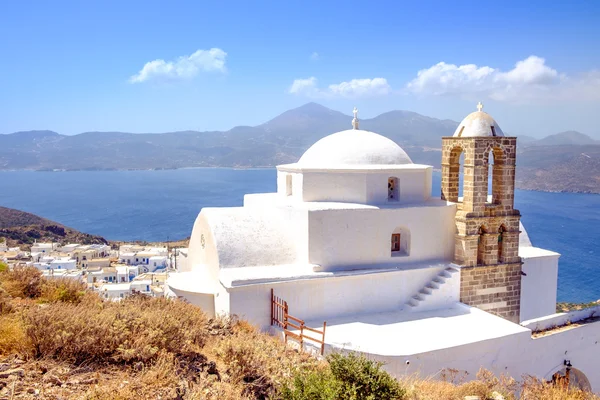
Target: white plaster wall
202, 259
297, 183
345, 238
414, 186
559, 319
515, 355
247, 237
538, 287
63, 264
325, 298
346, 187
206, 301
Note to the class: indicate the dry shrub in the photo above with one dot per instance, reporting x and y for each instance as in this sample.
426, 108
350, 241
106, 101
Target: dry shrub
65, 290
535, 389
133, 330
157, 380
6, 306
28, 283
454, 386
25, 282
485, 386
260, 363
13, 337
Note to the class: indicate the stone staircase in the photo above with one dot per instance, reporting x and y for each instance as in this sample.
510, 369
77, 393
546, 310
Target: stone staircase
443, 289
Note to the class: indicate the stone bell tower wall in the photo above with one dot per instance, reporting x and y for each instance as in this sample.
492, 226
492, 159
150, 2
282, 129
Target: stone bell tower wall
487, 229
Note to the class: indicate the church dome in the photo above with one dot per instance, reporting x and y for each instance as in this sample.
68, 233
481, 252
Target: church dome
354, 147
478, 124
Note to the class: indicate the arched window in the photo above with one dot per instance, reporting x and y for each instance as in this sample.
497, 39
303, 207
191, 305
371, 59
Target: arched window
452, 181
481, 246
400, 242
571, 378
501, 231
393, 189
490, 176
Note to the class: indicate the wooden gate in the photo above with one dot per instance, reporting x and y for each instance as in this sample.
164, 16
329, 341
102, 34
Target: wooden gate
280, 317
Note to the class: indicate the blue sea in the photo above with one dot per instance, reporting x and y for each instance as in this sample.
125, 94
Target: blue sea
162, 205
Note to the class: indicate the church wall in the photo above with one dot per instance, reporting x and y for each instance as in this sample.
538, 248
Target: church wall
323, 298
339, 239
340, 187
414, 186
538, 286
202, 249
283, 189
516, 356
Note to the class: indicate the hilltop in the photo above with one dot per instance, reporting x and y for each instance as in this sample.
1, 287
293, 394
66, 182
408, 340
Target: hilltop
552, 163
22, 228
58, 341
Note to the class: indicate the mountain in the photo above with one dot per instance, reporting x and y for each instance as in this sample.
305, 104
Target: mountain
22, 228
281, 140
543, 163
565, 138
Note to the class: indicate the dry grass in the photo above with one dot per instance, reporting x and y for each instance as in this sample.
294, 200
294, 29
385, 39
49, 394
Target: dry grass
143, 348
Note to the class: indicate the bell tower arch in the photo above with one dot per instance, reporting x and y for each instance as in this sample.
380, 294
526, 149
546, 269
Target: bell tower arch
487, 225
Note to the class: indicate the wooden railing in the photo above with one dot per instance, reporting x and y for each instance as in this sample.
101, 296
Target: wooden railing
281, 318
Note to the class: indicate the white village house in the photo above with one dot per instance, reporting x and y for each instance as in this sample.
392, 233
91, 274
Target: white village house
354, 237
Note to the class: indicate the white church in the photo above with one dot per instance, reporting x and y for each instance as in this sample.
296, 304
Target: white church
353, 237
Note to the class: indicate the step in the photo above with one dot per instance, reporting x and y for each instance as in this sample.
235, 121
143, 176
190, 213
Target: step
451, 270
445, 274
426, 290
439, 280
412, 303
432, 285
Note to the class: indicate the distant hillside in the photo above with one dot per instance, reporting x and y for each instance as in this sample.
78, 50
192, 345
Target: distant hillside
283, 139
566, 168
22, 228
565, 138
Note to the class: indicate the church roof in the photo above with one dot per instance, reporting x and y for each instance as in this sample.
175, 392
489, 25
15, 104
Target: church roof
354, 147
478, 124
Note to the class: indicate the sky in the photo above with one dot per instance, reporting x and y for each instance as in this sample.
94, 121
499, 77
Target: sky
159, 66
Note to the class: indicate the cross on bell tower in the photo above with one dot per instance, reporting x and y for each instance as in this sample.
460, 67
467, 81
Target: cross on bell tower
487, 225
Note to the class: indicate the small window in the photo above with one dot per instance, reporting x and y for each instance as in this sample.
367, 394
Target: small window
461, 131
395, 242
393, 189
493, 130
288, 185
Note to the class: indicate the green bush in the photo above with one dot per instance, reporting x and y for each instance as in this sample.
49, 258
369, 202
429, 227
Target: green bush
349, 377
313, 385
363, 378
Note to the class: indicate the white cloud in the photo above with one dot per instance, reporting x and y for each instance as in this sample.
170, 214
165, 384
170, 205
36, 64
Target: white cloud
184, 67
530, 79
314, 56
304, 86
354, 88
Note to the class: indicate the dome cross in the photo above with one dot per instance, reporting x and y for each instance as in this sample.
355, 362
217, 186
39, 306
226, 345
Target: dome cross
479, 106
355, 120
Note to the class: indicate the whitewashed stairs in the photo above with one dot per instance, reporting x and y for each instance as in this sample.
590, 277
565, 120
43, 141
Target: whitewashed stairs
442, 290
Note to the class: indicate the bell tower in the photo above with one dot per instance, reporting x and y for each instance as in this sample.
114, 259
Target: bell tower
487, 226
